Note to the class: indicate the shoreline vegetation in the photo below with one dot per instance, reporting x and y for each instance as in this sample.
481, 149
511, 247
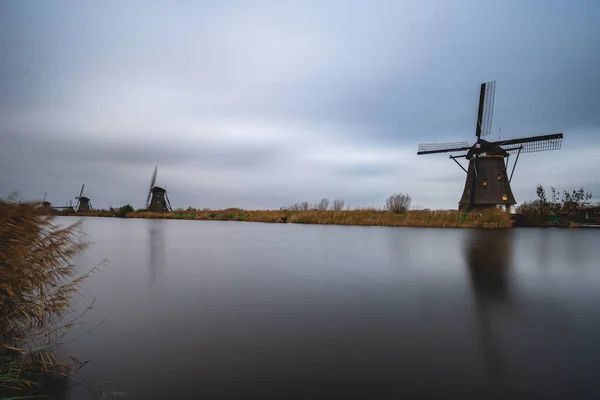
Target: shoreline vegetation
363, 217
37, 287
395, 212
571, 209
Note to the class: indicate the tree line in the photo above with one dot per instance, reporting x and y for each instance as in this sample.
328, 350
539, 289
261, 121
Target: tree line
397, 203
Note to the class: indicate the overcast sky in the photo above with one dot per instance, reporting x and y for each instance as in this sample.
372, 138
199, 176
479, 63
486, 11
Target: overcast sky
258, 104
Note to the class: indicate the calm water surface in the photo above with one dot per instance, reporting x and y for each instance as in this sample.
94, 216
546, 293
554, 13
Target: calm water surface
277, 311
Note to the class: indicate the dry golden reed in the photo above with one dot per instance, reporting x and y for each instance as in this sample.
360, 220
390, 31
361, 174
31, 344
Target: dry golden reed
450, 219
36, 288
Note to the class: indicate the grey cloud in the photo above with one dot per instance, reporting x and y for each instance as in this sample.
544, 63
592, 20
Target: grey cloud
232, 98
364, 170
127, 153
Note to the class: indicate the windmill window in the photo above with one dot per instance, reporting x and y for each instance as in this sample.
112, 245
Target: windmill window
504, 196
499, 176
484, 182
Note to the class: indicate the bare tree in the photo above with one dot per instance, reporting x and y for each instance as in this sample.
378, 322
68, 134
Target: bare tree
575, 200
323, 204
338, 204
304, 206
398, 203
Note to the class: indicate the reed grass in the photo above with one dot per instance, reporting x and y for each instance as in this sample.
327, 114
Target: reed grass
36, 289
486, 218
448, 219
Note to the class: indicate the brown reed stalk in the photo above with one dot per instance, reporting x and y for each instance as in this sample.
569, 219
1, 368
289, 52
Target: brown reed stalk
36, 290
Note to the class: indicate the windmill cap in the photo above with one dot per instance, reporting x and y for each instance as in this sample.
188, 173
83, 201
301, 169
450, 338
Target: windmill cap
482, 147
158, 189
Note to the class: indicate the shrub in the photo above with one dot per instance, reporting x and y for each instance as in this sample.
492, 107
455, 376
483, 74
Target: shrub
567, 207
124, 210
323, 204
338, 205
398, 203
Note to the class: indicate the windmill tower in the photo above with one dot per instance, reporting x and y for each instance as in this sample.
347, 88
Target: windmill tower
488, 182
157, 200
83, 203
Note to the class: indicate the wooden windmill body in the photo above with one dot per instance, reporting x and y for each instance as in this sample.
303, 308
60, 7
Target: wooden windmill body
157, 200
488, 183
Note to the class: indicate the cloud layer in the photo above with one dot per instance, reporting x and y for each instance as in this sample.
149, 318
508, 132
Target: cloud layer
263, 104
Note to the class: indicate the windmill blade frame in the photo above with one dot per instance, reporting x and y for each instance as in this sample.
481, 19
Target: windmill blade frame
152, 182
450, 147
168, 202
486, 109
532, 144
81, 192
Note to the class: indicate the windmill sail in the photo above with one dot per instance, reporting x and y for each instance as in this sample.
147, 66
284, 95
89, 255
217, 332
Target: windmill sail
432, 148
152, 181
486, 109
168, 203
531, 144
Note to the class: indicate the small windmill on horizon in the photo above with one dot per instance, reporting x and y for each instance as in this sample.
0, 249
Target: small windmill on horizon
46, 204
488, 182
157, 200
83, 202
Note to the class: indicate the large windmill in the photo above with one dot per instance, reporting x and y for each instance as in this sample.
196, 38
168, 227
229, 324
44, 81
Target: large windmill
83, 203
157, 200
488, 183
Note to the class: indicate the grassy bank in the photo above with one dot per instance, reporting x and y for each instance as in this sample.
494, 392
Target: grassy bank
447, 219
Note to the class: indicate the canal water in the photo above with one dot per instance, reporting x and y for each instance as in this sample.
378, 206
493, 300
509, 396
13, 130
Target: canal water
215, 310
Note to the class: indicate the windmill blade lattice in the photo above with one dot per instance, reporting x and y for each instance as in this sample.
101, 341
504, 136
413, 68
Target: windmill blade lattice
488, 108
152, 181
532, 144
432, 148
170, 208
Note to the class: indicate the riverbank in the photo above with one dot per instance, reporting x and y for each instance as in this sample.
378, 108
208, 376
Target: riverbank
446, 219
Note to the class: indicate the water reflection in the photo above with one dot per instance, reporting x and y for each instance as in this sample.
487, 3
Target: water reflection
81, 238
157, 248
574, 247
488, 256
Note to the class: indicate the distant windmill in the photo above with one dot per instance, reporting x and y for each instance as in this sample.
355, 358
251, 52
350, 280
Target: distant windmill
83, 203
488, 181
157, 200
46, 204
